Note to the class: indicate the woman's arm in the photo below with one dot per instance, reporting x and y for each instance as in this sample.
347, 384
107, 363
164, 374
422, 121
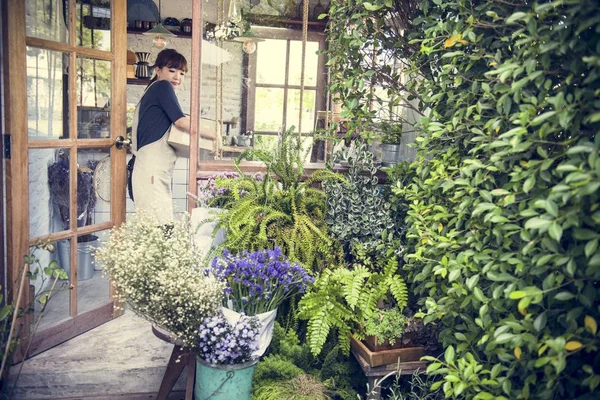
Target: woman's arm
185, 123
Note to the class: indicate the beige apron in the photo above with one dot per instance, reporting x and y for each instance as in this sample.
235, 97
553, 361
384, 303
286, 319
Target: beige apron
152, 174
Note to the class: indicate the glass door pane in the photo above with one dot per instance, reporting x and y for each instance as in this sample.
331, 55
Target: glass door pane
47, 94
93, 98
52, 296
49, 191
47, 19
93, 24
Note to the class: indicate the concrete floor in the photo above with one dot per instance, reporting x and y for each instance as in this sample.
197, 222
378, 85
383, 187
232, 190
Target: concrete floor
120, 359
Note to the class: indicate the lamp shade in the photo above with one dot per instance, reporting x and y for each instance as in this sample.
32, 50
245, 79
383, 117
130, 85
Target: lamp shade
159, 29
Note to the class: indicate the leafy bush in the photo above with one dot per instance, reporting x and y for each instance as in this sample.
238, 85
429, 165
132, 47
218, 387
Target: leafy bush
358, 212
504, 218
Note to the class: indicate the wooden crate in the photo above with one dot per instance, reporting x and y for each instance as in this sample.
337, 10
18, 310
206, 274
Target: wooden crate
384, 357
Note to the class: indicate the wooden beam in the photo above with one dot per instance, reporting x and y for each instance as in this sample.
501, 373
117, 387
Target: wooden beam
118, 121
196, 61
17, 168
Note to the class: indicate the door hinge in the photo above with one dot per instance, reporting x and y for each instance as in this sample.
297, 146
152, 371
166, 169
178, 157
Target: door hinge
6, 145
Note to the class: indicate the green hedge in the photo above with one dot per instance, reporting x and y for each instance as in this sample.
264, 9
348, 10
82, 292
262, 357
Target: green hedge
504, 218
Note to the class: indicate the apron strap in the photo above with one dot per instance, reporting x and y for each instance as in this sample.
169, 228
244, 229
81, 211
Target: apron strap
134, 123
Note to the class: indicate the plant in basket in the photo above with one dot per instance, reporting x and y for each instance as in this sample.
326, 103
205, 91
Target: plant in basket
223, 343
227, 357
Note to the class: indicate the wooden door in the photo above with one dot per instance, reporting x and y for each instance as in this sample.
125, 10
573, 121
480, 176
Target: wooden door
65, 102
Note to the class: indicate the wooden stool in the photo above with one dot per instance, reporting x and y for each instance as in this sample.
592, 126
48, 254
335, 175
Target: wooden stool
175, 368
372, 373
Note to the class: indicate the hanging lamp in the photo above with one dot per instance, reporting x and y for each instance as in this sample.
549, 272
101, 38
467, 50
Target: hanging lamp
159, 32
249, 40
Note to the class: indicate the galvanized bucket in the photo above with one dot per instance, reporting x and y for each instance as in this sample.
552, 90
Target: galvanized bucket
223, 382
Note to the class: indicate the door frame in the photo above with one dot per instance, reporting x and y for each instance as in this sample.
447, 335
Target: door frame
18, 241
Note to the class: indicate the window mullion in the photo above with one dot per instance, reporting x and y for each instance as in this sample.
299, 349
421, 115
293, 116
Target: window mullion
285, 83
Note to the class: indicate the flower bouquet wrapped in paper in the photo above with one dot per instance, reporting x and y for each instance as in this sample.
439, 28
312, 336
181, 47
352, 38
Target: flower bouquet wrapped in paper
257, 283
156, 271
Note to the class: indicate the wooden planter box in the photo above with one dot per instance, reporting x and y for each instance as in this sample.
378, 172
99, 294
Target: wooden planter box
385, 357
375, 345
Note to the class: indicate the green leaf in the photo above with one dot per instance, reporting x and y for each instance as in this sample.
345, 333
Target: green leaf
517, 294
518, 16
449, 354
540, 322
555, 231
563, 296
453, 275
529, 183
542, 117
537, 223
370, 7
591, 247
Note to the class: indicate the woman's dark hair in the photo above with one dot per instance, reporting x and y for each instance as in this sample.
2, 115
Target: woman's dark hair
170, 58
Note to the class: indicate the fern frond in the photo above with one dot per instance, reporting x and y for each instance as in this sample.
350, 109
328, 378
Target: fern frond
398, 289
353, 286
318, 329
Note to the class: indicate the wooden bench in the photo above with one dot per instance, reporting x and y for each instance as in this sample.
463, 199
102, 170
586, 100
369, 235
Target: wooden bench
372, 373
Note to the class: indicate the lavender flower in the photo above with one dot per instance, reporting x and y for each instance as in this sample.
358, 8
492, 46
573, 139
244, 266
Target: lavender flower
260, 281
221, 343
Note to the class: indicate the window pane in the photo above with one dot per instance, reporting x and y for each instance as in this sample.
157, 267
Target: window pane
48, 191
93, 24
270, 142
47, 19
270, 62
308, 110
92, 285
58, 305
312, 63
47, 94
93, 98
93, 186
268, 114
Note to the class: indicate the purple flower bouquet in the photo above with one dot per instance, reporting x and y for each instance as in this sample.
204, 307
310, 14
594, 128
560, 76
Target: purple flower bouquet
222, 343
260, 281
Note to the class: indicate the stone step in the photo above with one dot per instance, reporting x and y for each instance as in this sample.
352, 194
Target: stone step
119, 358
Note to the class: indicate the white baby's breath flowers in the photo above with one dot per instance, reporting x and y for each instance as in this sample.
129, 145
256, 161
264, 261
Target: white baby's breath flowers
157, 271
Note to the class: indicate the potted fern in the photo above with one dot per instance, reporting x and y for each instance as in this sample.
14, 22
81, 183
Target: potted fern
283, 208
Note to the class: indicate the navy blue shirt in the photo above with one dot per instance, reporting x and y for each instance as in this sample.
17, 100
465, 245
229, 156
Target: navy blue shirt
159, 108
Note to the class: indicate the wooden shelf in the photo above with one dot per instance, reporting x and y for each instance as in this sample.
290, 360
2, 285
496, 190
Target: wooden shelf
135, 31
258, 19
135, 81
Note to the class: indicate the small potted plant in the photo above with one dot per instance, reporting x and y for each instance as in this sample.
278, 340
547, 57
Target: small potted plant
391, 137
384, 329
59, 184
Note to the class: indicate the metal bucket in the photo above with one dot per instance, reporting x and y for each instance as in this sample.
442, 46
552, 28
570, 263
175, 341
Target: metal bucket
85, 269
223, 382
390, 154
